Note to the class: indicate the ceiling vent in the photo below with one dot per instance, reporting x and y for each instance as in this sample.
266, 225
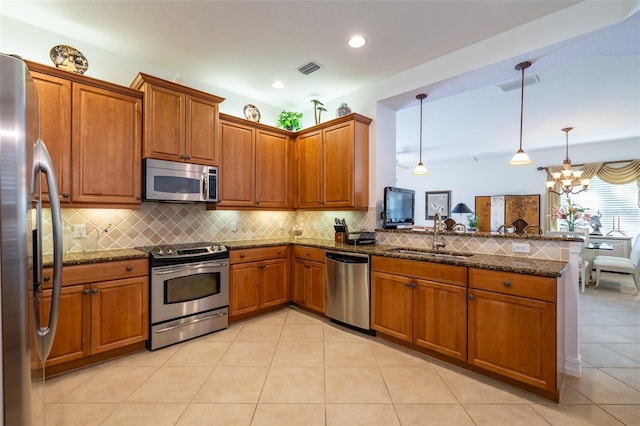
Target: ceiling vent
309, 68
517, 84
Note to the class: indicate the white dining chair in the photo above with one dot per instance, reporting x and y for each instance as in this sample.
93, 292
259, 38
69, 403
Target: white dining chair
623, 265
585, 265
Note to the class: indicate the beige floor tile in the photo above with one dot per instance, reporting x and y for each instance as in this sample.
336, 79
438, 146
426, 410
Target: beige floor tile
344, 354
504, 414
574, 415
226, 335
147, 358
335, 333
470, 388
602, 388
601, 334
145, 415
433, 414
296, 316
58, 387
217, 415
77, 414
289, 414
630, 350
627, 414
630, 332
257, 354
278, 317
361, 415
198, 353
302, 333
291, 354
171, 385
259, 332
599, 355
294, 385
355, 385
111, 385
233, 385
422, 384
629, 376
388, 356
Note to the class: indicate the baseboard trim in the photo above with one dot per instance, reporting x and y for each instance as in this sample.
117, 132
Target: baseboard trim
573, 367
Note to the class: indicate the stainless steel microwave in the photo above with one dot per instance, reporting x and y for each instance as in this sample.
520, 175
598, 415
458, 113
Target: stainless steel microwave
179, 182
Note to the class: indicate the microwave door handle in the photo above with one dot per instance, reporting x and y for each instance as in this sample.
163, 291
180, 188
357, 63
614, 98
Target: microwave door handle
205, 187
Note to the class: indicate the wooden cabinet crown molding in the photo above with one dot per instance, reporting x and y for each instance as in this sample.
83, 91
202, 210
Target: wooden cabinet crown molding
142, 78
354, 116
79, 78
258, 126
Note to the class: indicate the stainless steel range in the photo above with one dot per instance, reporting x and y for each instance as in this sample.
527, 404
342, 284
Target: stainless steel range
189, 292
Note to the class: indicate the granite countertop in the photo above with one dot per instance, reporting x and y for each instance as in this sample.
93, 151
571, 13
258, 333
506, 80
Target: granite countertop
523, 265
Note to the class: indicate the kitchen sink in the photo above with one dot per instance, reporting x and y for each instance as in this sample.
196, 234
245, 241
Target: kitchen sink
431, 254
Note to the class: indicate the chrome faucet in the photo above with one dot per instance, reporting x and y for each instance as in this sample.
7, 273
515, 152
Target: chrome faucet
437, 220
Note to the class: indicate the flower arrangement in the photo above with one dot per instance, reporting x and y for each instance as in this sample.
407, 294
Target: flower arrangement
573, 214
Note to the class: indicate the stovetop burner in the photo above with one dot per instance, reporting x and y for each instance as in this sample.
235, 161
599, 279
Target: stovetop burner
187, 252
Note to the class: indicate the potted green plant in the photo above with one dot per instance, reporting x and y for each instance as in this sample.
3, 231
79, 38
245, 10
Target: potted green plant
472, 221
290, 120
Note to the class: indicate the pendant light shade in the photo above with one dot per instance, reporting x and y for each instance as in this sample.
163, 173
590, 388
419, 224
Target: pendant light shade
420, 169
521, 158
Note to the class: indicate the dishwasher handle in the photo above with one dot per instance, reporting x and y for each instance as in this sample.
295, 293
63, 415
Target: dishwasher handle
346, 258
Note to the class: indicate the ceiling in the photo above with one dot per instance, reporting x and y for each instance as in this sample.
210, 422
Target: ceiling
243, 46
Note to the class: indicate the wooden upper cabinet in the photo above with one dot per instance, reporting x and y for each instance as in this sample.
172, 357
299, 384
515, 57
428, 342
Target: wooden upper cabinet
93, 131
180, 123
54, 96
333, 164
254, 171
106, 143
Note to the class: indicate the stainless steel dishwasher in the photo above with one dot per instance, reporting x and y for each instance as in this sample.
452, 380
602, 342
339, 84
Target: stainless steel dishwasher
348, 290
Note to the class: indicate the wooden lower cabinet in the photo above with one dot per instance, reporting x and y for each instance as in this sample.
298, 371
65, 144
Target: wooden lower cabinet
410, 305
308, 288
258, 278
98, 316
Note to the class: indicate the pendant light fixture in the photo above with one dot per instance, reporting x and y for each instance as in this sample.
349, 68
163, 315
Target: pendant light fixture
521, 158
570, 179
420, 169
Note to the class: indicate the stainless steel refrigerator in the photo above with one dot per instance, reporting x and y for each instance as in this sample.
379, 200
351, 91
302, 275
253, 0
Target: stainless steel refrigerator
26, 335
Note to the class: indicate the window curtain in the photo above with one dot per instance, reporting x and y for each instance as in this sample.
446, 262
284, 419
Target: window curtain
608, 172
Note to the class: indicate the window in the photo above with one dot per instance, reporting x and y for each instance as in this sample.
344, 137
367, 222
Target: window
618, 205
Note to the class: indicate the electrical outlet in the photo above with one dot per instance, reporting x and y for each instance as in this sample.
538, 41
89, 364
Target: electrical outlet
234, 226
78, 231
520, 248
281, 224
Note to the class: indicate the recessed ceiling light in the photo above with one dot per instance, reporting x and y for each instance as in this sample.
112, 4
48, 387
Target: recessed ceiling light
357, 41
278, 84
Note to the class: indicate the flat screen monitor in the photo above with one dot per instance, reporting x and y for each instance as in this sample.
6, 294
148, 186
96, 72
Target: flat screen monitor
399, 207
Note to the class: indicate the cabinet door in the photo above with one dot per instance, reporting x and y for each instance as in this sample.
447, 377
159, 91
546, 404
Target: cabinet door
440, 318
338, 172
309, 170
202, 131
72, 333
54, 95
106, 146
272, 170
237, 172
274, 282
244, 281
119, 313
315, 286
164, 123
299, 287
513, 336
392, 305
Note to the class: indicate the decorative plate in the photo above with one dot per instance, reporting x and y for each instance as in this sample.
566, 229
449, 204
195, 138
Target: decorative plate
69, 58
252, 113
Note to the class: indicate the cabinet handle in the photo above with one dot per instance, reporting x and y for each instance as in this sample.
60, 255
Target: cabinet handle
306, 253
306, 265
188, 157
261, 266
408, 284
470, 297
94, 290
46, 278
138, 197
129, 268
85, 291
257, 203
506, 284
242, 256
66, 195
279, 251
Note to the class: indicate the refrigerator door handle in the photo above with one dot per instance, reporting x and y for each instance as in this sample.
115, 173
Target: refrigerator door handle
45, 335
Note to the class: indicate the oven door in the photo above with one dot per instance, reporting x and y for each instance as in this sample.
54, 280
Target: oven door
188, 288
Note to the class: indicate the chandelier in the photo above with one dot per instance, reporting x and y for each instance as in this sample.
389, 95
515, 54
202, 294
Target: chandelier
569, 179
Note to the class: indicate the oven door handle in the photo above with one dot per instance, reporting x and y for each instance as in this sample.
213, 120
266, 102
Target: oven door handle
188, 268
197, 320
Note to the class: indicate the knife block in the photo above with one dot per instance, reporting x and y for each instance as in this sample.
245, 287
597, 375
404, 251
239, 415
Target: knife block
340, 237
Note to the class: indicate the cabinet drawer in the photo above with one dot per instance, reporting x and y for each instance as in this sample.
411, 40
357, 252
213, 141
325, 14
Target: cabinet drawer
309, 253
450, 274
95, 272
531, 286
263, 253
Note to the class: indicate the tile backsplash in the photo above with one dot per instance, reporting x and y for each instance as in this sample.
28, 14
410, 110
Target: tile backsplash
164, 223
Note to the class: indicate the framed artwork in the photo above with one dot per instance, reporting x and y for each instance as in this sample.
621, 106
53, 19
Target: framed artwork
437, 202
